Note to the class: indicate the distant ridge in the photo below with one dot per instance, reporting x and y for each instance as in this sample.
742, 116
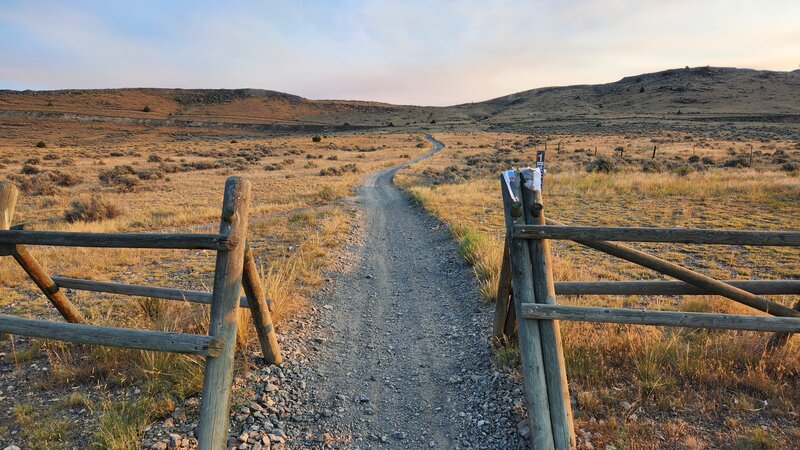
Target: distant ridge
699, 91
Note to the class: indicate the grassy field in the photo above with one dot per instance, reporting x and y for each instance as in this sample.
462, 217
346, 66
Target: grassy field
101, 177
645, 387
636, 387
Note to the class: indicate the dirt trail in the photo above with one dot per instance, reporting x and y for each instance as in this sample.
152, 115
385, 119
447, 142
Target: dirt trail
403, 360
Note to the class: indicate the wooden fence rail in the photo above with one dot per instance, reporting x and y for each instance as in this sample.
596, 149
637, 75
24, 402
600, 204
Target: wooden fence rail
112, 336
526, 300
139, 290
759, 287
671, 235
668, 318
235, 269
187, 241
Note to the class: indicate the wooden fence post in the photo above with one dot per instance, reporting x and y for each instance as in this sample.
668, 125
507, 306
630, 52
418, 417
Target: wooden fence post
534, 384
503, 301
262, 319
218, 377
552, 352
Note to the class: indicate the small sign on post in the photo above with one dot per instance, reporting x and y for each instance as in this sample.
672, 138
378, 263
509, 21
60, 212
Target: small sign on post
540, 163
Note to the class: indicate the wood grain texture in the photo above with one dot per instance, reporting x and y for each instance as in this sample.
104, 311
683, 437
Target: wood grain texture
214, 410
8, 204
503, 300
672, 235
139, 290
552, 352
112, 336
262, 319
46, 284
666, 318
534, 384
118, 240
665, 287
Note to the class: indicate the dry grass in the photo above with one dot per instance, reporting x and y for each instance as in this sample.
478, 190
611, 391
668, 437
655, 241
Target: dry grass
297, 219
645, 387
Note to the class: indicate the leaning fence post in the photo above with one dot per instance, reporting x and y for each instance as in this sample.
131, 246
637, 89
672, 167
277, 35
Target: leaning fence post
218, 377
534, 384
552, 351
503, 300
262, 319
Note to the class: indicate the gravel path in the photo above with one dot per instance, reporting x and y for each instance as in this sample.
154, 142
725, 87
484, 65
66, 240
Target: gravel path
403, 357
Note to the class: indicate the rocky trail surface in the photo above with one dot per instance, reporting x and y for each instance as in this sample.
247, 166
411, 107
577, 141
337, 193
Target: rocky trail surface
393, 355
403, 360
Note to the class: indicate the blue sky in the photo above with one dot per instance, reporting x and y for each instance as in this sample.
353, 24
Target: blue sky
410, 52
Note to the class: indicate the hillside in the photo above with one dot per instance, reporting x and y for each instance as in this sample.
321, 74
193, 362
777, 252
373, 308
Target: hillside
702, 90
690, 94
190, 106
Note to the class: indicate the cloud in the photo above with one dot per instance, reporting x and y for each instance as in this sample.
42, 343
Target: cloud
411, 52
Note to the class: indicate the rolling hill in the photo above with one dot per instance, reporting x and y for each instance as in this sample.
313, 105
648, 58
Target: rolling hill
702, 93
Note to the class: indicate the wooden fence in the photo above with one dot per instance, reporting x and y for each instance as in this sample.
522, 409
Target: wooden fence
235, 269
527, 291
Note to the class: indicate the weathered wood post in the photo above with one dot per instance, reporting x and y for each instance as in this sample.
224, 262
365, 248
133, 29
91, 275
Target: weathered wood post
262, 319
552, 352
534, 384
503, 300
213, 430
8, 204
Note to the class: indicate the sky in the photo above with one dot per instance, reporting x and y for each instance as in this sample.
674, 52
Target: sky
422, 52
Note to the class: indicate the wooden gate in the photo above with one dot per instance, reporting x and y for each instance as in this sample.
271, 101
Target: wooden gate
526, 298
235, 268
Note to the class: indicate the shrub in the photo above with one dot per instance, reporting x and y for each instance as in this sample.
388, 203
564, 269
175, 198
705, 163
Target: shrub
707, 160
41, 144
50, 157
316, 138
121, 177
682, 169
150, 174
154, 159
65, 179
739, 161
338, 171
790, 166
651, 166
28, 169
694, 159
601, 164
146, 109
91, 209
